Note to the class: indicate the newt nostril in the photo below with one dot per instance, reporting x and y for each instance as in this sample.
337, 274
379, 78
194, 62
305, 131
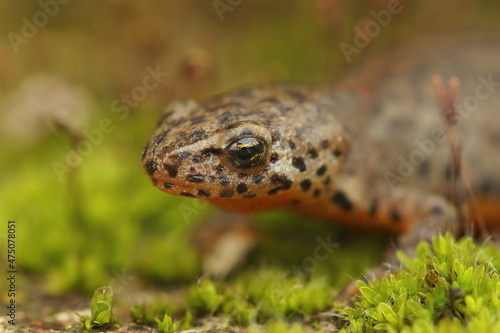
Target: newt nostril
171, 165
173, 159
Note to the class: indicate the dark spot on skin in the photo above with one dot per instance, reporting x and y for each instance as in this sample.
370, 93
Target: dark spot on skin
269, 100
423, 169
150, 167
257, 179
211, 151
340, 199
219, 168
274, 158
485, 186
327, 180
176, 122
224, 181
157, 140
337, 153
324, 144
241, 188
372, 210
274, 191
295, 201
279, 179
154, 181
291, 144
283, 108
197, 134
164, 117
189, 195
437, 210
197, 159
203, 193
144, 151
275, 179
249, 195
242, 175
298, 163
226, 193
184, 154
305, 185
212, 178
316, 193
171, 169
321, 171
312, 153
447, 173
396, 215
225, 117
196, 178
275, 136
297, 96
287, 184
197, 119
168, 185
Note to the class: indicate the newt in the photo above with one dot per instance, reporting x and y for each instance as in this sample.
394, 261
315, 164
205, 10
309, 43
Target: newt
368, 150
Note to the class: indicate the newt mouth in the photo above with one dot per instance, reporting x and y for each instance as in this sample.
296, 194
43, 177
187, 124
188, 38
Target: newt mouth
176, 189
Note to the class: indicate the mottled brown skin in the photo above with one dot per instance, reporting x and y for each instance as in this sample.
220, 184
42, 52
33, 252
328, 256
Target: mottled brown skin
333, 151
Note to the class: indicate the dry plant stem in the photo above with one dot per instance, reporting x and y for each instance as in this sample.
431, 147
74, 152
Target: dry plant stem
461, 192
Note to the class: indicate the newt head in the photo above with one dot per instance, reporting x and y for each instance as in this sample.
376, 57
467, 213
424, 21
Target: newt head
244, 152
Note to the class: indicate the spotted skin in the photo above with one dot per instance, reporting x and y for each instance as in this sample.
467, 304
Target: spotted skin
337, 152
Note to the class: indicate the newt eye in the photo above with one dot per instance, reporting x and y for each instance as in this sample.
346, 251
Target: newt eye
246, 152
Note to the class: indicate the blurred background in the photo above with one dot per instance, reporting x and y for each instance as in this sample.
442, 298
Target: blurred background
82, 85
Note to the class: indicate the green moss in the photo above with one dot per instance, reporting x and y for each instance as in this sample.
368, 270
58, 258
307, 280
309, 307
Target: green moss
101, 311
167, 325
449, 285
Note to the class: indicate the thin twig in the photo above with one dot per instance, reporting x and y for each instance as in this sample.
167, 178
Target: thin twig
461, 191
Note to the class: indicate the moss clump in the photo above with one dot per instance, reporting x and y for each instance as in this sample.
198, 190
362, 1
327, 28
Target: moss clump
167, 325
449, 286
258, 297
101, 311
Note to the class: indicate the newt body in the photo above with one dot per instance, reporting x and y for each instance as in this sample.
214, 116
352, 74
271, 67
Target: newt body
368, 151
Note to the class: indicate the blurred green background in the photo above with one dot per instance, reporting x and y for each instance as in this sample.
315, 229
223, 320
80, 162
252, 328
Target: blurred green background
80, 224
